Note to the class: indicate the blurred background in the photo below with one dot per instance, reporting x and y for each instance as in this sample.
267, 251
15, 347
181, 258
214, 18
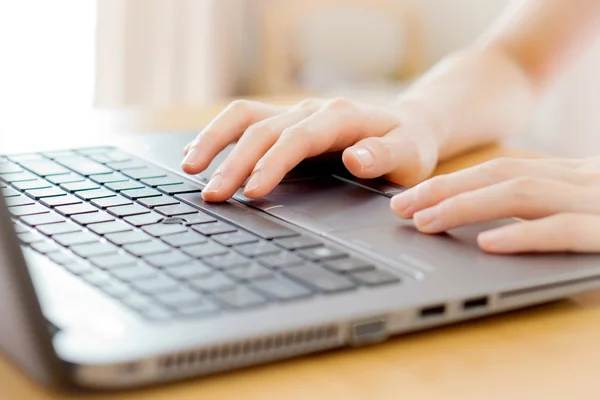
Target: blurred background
153, 63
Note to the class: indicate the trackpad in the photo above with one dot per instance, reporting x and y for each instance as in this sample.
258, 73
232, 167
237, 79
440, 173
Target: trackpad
326, 204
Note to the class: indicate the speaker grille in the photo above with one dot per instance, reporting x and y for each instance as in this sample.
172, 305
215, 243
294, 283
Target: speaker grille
252, 351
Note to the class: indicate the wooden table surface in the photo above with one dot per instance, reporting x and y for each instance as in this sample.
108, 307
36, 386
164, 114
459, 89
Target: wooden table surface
546, 352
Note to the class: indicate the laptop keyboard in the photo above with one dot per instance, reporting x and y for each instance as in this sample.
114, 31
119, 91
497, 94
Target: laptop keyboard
132, 230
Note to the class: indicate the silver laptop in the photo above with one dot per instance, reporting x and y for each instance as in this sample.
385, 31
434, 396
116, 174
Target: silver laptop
114, 273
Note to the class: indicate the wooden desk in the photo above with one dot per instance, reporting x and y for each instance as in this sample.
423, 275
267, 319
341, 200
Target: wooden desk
546, 352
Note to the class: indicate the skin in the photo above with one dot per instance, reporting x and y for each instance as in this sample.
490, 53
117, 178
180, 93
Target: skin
477, 95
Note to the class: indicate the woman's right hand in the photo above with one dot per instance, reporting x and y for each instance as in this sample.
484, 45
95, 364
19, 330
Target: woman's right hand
400, 142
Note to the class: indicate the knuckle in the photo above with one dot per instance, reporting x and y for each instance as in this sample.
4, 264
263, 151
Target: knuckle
500, 167
310, 103
524, 188
339, 103
296, 132
240, 106
260, 129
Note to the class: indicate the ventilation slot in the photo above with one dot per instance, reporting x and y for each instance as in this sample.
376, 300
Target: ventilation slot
550, 286
252, 351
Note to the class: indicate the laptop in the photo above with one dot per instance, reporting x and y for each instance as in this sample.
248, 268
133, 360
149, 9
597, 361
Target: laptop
114, 273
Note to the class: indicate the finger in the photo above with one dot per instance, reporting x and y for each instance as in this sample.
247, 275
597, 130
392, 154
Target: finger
522, 198
442, 187
411, 158
334, 127
224, 129
557, 233
253, 144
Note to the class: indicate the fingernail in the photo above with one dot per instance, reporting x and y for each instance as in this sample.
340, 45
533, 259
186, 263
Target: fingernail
493, 240
401, 203
192, 158
254, 181
214, 184
364, 157
425, 220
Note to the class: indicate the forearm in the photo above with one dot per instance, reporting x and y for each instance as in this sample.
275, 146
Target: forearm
487, 91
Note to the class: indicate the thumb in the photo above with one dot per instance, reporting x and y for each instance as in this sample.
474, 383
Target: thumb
406, 158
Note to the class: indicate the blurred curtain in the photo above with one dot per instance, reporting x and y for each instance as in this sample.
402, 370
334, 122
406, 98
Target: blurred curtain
165, 53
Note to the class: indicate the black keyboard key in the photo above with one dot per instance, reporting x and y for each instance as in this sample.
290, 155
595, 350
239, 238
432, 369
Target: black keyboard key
58, 228
36, 184
20, 211
111, 202
197, 218
213, 283
42, 219
175, 210
45, 247
124, 185
65, 178
128, 210
164, 229
321, 253
147, 248
18, 201
71, 239
92, 218
126, 164
189, 270
348, 264
161, 200
226, 261
83, 165
44, 167
184, 239
60, 201
144, 173
157, 284
94, 194
180, 188
79, 186
375, 277
319, 278
250, 272
280, 288
144, 219
163, 181
134, 273
298, 242
235, 238
30, 237
135, 194
241, 216
46, 192
130, 237
166, 260
261, 248
205, 250
180, 297
214, 228
240, 297
109, 227
113, 261
280, 260
109, 178
74, 209
94, 249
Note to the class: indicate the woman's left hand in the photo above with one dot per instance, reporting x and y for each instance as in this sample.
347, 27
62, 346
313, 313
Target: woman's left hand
559, 199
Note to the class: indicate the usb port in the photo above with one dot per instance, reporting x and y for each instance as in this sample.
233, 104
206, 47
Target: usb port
476, 303
434, 311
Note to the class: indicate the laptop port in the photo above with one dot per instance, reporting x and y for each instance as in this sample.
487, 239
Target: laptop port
366, 332
434, 311
475, 303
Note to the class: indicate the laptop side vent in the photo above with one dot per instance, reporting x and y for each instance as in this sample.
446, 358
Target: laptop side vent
253, 351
